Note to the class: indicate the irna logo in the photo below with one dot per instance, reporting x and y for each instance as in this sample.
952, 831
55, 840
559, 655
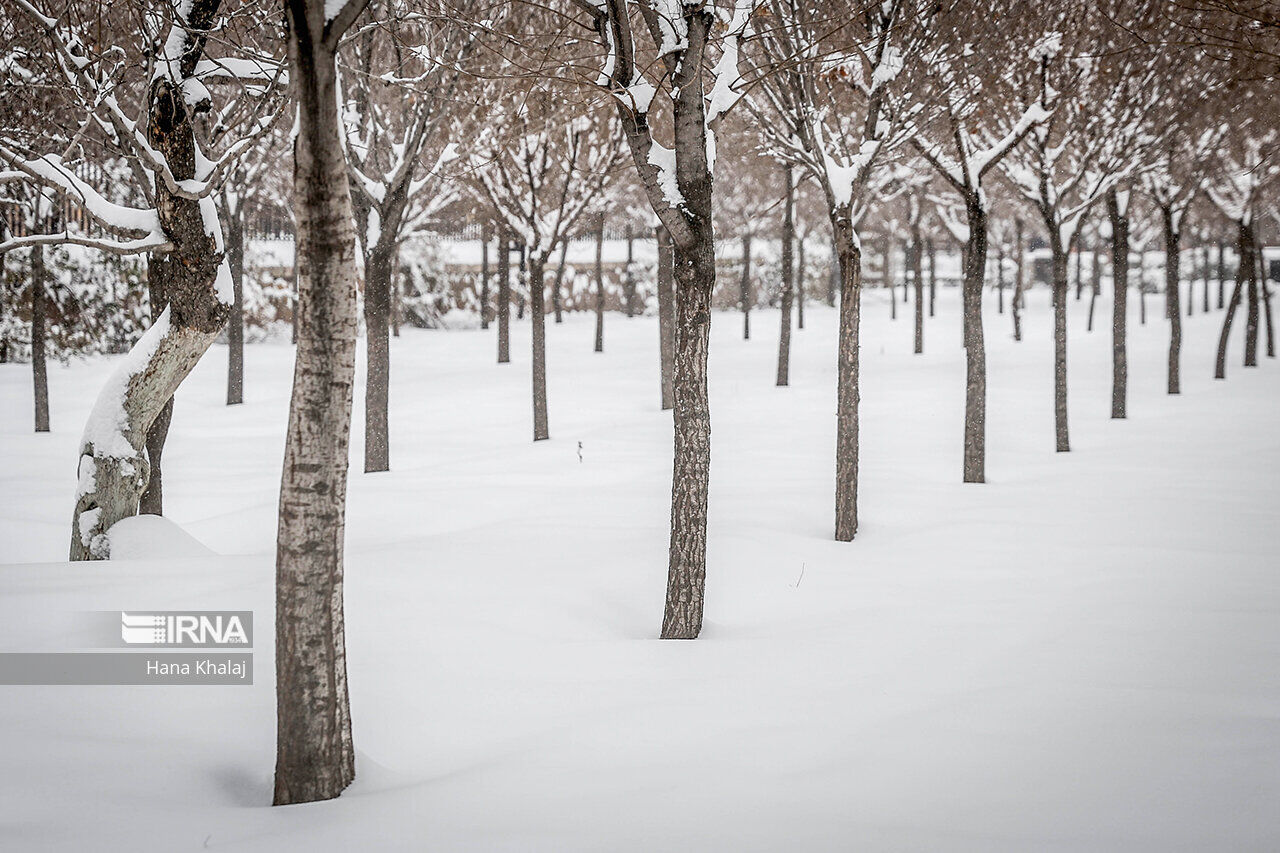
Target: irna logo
192, 628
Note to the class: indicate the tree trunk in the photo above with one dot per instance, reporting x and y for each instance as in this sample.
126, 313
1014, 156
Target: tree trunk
933, 273
1000, 278
1172, 291
888, 281
847, 377
315, 759
293, 299
800, 281
113, 467
1266, 298
1119, 216
504, 297
600, 285
152, 500
1204, 269
1097, 280
833, 274
377, 315
537, 308
1220, 367
522, 281
1020, 260
397, 288
1251, 319
484, 276
234, 242
628, 278
1079, 273
745, 296
788, 278
975, 349
1060, 288
666, 313
1222, 272
917, 277
39, 367
556, 304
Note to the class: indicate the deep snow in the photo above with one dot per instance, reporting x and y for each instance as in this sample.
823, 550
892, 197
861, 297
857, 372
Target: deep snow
1081, 654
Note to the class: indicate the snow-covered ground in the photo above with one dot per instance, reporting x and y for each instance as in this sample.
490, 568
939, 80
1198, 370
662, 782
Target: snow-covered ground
1082, 654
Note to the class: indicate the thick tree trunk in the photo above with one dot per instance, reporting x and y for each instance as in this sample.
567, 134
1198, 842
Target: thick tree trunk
599, 347
1119, 216
1172, 290
847, 393
556, 302
745, 294
538, 310
39, 366
234, 241
1060, 289
788, 278
975, 348
504, 297
315, 759
377, 313
666, 313
113, 467
484, 276
152, 500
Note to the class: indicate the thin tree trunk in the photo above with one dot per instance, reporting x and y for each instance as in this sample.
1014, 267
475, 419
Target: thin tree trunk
397, 287
1019, 259
1000, 278
1119, 216
1245, 238
1060, 289
1204, 269
975, 350
628, 278
556, 302
539, 314
933, 273
293, 298
39, 367
833, 274
888, 281
1097, 280
917, 277
600, 284
1222, 272
1079, 273
666, 313
847, 377
234, 241
522, 281
1266, 298
315, 759
1251, 292
788, 278
800, 282
504, 296
377, 310
484, 276
745, 296
1173, 291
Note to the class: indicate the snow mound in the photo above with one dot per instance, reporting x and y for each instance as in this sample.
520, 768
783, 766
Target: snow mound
153, 537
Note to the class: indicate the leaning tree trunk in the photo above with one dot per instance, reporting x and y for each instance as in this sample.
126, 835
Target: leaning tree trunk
847, 393
1060, 291
537, 307
1220, 366
975, 349
745, 296
1172, 291
599, 347
377, 389
114, 469
315, 759
1096, 263
235, 323
1119, 216
504, 297
39, 366
666, 313
788, 279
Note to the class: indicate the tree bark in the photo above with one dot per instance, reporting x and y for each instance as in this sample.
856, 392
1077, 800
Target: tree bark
538, 311
847, 393
1079, 273
788, 278
1220, 367
887, 281
1000, 279
628, 278
484, 276
1266, 298
315, 759
113, 468
666, 313
39, 366
917, 249
745, 295
152, 500
1172, 290
599, 347
1096, 263
933, 273
234, 241
556, 304
1119, 216
1020, 259
975, 350
504, 297
1204, 269
800, 281
1251, 291
377, 389
1222, 272
1060, 288
833, 274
